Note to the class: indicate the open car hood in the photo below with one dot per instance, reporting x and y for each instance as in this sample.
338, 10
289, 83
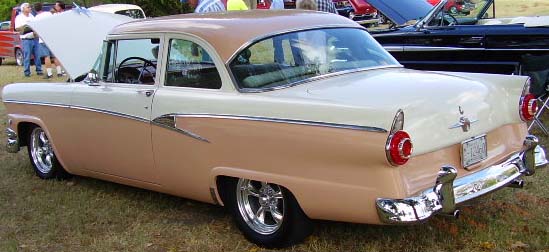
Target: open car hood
76, 37
400, 12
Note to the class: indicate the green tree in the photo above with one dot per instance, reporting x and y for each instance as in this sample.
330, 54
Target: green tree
152, 8
5, 9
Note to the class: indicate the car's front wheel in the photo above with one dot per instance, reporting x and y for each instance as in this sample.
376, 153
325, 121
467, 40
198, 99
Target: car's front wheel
42, 157
266, 213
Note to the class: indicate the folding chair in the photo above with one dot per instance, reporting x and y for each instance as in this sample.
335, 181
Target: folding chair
544, 100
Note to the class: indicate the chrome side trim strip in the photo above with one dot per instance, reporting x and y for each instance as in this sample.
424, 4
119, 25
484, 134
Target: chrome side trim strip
277, 120
168, 122
38, 103
107, 112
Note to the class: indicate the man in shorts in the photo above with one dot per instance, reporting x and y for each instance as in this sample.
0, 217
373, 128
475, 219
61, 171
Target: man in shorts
43, 49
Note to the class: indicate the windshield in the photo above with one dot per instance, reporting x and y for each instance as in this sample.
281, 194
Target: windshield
288, 58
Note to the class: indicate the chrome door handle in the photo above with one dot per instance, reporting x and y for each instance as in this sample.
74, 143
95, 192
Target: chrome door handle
146, 92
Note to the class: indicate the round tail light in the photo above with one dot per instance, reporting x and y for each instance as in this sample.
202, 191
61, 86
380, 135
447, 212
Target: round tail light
399, 148
528, 107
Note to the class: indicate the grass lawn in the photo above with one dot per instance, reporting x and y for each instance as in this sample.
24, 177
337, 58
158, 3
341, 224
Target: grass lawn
84, 214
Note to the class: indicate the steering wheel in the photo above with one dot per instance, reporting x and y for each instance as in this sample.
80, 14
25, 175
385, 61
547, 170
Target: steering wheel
454, 19
128, 74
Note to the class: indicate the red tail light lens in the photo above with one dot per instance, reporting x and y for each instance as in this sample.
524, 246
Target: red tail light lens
399, 148
528, 107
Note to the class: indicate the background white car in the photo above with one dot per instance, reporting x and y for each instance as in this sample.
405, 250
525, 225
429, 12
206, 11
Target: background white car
130, 10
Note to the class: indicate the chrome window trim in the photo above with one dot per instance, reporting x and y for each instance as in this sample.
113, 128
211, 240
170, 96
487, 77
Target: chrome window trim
276, 120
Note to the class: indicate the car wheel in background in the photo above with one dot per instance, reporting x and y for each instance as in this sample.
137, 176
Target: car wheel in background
18, 57
42, 157
266, 213
1, 59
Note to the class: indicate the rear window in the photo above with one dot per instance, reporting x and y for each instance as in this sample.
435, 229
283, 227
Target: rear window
292, 57
133, 13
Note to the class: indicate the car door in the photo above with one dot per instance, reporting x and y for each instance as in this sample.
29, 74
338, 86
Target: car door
193, 83
457, 48
113, 117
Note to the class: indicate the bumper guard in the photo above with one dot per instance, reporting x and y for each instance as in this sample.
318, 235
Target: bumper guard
12, 145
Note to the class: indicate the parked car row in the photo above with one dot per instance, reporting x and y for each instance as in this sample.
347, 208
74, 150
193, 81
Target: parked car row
282, 117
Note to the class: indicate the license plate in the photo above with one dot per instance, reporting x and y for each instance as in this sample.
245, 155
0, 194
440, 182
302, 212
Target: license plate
473, 151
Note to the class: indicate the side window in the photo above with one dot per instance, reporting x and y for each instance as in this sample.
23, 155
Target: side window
135, 61
106, 64
4, 26
189, 65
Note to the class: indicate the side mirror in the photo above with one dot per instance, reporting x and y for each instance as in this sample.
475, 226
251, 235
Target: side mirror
92, 79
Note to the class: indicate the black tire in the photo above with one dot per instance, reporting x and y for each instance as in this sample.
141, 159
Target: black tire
295, 226
1, 59
42, 157
18, 57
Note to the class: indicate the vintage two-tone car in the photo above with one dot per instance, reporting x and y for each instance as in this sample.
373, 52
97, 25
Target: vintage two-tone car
280, 116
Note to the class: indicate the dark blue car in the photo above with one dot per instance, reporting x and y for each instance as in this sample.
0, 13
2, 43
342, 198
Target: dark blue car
428, 37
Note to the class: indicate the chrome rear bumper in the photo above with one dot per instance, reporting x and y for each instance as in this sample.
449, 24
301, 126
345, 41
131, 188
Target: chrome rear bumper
448, 191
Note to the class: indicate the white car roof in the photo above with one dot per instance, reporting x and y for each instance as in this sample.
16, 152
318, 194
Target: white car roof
112, 8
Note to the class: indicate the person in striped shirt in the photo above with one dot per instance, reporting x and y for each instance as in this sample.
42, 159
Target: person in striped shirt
210, 6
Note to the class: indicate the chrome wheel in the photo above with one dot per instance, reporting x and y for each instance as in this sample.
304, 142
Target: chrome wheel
261, 205
41, 151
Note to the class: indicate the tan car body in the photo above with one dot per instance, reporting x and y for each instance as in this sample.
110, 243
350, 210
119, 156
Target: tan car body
328, 151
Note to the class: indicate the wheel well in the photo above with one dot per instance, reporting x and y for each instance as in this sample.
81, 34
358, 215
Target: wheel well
23, 130
220, 182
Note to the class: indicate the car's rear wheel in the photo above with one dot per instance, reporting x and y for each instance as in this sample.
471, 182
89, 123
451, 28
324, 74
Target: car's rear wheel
42, 157
18, 57
266, 213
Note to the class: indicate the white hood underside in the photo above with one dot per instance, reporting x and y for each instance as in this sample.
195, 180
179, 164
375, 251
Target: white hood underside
75, 38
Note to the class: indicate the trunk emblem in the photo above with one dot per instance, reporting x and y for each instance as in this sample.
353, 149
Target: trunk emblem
464, 122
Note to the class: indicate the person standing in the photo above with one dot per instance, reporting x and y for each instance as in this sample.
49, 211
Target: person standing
277, 5
28, 40
210, 6
42, 48
306, 4
326, 6
277, 40
59, 6
236, 5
